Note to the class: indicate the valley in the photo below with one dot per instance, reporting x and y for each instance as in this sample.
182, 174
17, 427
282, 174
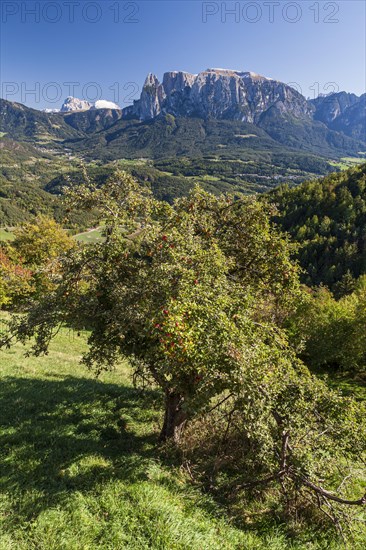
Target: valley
226, 130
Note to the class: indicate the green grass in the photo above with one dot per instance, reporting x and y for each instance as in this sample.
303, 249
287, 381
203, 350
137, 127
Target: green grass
91, 236
351, 385
6, 235
81, 469
347, 162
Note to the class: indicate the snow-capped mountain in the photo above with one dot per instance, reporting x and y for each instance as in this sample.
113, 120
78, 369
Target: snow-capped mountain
104, 104
72, 104
75, 104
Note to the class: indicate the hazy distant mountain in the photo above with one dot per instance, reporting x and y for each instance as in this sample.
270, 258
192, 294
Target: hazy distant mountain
74, 104
342, 112
329, 107
25, 124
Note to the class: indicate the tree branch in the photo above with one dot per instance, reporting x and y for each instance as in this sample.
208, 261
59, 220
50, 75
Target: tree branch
327, 494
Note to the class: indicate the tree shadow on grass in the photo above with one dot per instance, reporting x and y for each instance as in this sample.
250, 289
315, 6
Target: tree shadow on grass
70, 435
63, 436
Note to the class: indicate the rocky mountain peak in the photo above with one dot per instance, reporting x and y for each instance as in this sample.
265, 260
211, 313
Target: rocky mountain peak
72, 104
151, 80
236, 74
329, 107
75, 104
342, 112
218, 93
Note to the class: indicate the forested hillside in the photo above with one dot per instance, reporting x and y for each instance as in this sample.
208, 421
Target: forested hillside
32, 178
328, 220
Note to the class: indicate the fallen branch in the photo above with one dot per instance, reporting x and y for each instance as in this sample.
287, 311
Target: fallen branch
327, 494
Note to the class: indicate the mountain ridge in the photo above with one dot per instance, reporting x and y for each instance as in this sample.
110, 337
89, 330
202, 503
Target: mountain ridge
220, 93
343, 112
216, 112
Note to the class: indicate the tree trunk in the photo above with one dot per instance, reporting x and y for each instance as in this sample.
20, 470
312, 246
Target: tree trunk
174, 418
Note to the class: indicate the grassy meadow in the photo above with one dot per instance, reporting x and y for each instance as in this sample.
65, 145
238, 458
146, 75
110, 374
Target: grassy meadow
347, 162
91, 236
6, 234
81, 470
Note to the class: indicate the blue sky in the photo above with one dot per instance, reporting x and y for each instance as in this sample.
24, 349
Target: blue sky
106, 48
